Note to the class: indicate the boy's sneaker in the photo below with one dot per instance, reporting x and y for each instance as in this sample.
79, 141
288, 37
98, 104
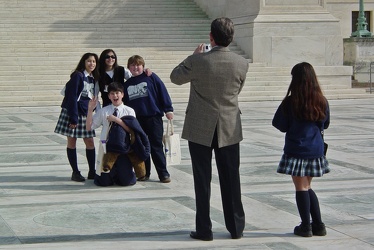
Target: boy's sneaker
319, 229
303, 230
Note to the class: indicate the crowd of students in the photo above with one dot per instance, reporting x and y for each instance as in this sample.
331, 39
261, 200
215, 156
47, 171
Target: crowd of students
142, 92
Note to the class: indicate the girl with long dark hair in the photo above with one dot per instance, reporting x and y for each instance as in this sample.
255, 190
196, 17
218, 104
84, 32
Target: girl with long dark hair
72, 120
303, 115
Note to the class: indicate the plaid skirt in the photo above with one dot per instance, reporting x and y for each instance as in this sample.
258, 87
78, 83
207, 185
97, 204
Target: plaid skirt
303, 167
80, 131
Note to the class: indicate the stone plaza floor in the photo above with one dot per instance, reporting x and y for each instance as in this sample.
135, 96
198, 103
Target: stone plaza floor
41, 208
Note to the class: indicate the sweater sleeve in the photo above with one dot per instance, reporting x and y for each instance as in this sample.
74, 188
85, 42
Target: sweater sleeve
279, 120
72, 92
163, 94
181, 74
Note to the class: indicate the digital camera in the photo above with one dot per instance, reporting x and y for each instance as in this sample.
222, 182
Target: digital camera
207, 47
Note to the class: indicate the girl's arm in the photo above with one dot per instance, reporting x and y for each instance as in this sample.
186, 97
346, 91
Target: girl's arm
280, 121
91, 106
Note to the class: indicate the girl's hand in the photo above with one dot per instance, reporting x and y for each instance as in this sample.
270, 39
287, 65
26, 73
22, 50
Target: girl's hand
92, 103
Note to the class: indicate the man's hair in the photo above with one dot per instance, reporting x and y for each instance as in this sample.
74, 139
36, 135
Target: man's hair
222, 30
136, 59
115, 86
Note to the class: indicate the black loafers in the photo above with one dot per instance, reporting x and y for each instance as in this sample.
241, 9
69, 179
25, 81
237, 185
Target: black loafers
76, 176
91, 175
196, 236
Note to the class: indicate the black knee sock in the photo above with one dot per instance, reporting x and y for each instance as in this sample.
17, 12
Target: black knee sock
90, 155
314, 207
303, 205
72, 157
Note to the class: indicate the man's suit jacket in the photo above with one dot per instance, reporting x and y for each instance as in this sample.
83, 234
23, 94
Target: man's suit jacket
216, 78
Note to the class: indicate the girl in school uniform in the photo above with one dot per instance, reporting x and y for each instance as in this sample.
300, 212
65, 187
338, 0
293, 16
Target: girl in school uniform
304, 115
72, 121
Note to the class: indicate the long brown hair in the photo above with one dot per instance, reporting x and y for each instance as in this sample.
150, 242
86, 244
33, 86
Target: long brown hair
305, 94
82, 65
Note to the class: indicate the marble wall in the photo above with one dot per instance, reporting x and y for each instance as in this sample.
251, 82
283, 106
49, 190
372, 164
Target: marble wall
359, 53
284, 32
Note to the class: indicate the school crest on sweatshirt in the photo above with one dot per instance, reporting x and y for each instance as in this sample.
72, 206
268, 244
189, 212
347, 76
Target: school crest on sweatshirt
137, 91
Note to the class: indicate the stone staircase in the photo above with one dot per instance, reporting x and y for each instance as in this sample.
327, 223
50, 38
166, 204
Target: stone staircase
266, 83
42, 41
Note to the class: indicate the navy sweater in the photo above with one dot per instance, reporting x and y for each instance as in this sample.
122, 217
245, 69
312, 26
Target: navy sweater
141, 144
303, 139
147, 95
80, 86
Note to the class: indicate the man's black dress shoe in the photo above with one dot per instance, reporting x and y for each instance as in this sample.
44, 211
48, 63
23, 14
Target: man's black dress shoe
194, 235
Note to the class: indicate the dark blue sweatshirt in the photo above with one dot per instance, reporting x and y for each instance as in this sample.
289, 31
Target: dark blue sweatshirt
303, 139
147, 95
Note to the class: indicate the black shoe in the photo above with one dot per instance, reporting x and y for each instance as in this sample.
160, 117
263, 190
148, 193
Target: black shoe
303, 230
144, 178
76, 176
194, 235
91, 175
318, 229
236, 237
165, 179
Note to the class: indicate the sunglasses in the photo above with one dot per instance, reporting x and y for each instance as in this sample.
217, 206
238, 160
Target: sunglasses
107, 57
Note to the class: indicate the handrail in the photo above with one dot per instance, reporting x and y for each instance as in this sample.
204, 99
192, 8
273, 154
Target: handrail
371, 82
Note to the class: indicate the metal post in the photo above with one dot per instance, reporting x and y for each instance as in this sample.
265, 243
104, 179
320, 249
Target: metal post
361, 24
371, 82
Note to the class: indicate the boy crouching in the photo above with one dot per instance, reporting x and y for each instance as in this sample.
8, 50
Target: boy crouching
121, 171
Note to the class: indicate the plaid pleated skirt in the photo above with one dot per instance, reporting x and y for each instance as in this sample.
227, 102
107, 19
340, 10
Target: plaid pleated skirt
80, 131
303, 167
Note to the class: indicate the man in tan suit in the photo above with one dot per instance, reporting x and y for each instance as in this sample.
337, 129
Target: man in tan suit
213, 123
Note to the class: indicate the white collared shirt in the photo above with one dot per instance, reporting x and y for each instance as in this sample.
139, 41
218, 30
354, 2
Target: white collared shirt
100, 117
